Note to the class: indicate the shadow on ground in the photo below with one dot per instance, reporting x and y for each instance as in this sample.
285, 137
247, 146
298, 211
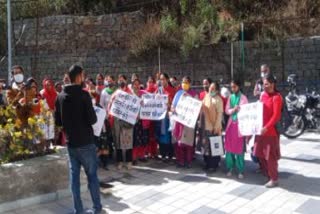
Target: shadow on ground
162, 173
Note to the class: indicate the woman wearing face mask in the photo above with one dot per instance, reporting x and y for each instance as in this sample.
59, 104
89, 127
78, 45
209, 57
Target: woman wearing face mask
184, 135
110, 88
49, 93
258, 88
106, 140
122, 131
210, 125
15, 93
175, 83
234, 142
163, 133
18, 77
206, 84
267, 145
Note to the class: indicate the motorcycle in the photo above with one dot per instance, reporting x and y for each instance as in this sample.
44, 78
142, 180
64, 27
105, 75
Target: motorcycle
301, 112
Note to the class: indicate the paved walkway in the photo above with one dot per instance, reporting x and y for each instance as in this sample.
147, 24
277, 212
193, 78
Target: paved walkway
156, 188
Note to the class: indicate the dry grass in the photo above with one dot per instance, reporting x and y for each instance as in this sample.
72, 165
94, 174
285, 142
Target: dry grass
149, 37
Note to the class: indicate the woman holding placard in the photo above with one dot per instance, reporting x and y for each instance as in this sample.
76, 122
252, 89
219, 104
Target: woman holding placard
234, 142
267, 145
123, 131
162, 127
140, 130
152, 147
184, 135
211, 127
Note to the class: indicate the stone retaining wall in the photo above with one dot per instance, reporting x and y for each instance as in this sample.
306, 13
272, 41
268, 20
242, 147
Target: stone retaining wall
100, 44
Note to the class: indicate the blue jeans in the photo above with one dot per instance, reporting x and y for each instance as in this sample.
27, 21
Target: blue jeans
85, 156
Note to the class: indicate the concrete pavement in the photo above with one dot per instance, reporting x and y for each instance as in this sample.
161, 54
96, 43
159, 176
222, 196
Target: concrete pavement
159, 188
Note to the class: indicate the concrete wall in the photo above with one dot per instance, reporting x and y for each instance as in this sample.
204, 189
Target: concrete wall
100, 44
35, 181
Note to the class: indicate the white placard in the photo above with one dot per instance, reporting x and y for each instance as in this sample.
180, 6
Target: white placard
154, 106
126, 107
187, 111
48, 128
216, 146
250, 119
101, 116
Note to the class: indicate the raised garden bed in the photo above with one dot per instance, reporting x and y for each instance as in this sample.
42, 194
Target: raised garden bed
34, 181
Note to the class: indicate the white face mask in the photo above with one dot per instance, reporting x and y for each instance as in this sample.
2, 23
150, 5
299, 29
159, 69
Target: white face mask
18, 78
263, 74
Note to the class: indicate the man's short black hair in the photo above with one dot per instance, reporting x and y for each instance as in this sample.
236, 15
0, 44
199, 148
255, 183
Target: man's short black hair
74, 71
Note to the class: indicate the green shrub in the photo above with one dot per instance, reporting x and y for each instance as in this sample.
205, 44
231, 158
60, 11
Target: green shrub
168, 24
192, 38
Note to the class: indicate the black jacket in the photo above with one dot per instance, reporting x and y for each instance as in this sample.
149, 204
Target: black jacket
75, 113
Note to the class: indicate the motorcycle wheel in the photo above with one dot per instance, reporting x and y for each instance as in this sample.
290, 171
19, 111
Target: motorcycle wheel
296, 128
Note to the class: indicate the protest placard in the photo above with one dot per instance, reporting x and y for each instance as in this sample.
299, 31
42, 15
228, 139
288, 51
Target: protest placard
187, 111
216, 146
154, 106
48, 127
101, 116
250, 119
126, 107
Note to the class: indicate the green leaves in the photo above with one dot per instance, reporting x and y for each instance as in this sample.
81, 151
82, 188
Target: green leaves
193, 24
193, 37
206, 12
201, 27
17, 138
168, 24
184, 6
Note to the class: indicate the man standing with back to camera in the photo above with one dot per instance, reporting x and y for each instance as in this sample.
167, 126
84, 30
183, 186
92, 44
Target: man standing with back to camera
75, 113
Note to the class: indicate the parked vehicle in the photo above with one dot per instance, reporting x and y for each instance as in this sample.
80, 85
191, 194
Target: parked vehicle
301, 111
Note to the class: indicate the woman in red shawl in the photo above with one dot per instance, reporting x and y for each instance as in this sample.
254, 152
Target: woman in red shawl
267, 145
49, 93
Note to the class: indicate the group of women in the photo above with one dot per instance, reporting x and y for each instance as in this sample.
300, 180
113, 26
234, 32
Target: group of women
170, 139
133, 143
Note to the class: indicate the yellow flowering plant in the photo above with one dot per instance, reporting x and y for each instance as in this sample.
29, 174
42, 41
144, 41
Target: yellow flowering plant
20, 139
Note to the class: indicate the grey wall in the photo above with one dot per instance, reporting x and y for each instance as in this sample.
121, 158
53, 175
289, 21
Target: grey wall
100, 44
